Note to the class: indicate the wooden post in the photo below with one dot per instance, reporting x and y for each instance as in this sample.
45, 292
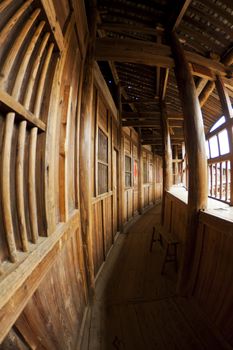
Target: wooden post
167, 160
121, 160
195, 148
85, 169
140, 177
228, 113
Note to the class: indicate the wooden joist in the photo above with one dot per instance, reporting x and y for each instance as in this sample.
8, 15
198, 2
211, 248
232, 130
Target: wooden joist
150, 53
54, 24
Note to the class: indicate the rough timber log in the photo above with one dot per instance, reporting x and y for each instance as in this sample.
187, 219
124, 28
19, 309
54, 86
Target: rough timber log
195, 146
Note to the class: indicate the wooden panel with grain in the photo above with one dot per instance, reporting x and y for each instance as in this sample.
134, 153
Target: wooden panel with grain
213, 284
98, 236
54, 313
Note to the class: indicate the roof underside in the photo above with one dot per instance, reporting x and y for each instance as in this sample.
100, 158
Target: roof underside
204, 27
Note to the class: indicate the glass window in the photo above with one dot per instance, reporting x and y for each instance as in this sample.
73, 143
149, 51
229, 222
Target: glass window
145, 173
128, 172
214, 147
218, 123
102, 162
223, 142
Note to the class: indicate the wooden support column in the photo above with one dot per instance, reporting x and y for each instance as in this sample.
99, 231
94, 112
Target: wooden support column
228, 113
121, 159
85, 169
167, 159
195, 149
140, 177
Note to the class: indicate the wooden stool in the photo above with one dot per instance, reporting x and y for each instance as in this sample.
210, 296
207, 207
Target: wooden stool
158, 235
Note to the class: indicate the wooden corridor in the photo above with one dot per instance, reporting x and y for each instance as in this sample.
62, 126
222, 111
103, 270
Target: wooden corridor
137, 308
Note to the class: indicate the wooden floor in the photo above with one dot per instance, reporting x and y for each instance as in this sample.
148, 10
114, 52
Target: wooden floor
137, 308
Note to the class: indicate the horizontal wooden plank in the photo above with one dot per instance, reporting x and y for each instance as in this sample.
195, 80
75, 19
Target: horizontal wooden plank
18, 286
9, 104
149, 53
142, 123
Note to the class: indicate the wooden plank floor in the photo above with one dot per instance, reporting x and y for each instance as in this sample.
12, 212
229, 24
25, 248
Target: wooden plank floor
137, 308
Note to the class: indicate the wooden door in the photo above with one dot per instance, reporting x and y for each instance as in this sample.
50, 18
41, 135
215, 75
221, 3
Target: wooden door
115, 193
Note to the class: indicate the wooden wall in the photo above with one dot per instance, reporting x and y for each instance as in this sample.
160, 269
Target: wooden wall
43, 276
43, 281
213, 261
139, 194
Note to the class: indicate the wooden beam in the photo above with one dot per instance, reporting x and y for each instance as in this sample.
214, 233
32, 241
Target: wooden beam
9, 104
150, 53
164, 84
85, 166
54, 24
206, 92
120, 27
142, 123
167, 159
196, 153
201, 71
136, 115
201, 83
182, 8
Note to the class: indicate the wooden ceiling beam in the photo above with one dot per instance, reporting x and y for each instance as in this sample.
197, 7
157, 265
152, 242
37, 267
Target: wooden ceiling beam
182, 7
142, 123
120, 27
135, 115
150, 53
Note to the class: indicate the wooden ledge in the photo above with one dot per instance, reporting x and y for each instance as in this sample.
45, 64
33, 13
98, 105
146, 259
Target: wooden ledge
9, 104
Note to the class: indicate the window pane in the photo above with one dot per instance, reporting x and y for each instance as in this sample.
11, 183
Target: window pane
102, 178
145, 180
127, 163
102, 147
223, 142
213, 147
218, 123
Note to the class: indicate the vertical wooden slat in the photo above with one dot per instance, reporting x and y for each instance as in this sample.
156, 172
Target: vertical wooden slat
6, 195
220, 180
216, 179
13, 20
64, 148
32, 184
41, 85
226, 194
167, 159
211, 179
34, 70
24, 64
15, 48
20, 185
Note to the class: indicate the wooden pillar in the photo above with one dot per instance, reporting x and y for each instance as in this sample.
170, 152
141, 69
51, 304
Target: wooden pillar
140, 177
167, 160
195, 150
121, 159
228, 113
85, 169
176, 167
